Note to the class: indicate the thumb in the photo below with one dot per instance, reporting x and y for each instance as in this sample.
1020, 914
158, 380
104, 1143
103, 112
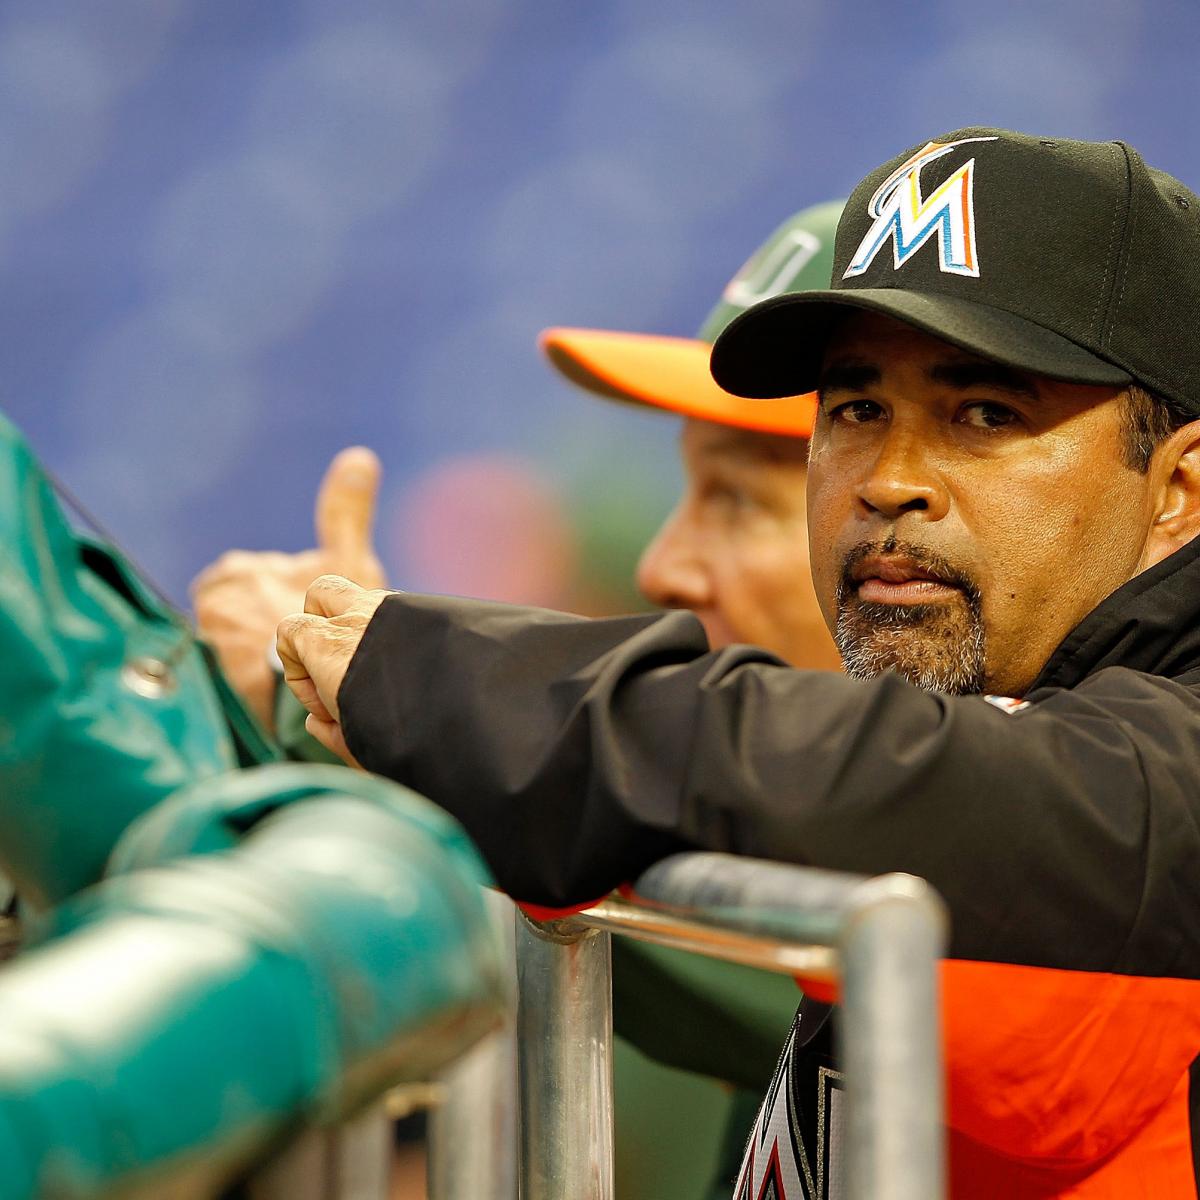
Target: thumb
345, 509
330, 735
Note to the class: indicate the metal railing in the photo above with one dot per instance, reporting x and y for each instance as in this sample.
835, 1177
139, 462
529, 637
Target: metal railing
351, 1161
878, 938
472, 1132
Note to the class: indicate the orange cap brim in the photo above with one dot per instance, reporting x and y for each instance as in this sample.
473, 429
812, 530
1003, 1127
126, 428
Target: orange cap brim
670, 373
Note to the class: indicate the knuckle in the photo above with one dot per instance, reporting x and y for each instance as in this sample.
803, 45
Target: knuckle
292, 625
330, 583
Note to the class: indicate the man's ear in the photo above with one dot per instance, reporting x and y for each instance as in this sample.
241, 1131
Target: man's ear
1175, 480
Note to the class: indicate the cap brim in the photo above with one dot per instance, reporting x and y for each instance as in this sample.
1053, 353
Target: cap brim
776, 347
668, 373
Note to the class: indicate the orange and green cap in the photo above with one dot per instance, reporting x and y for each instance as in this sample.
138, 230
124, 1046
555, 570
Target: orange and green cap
673, 372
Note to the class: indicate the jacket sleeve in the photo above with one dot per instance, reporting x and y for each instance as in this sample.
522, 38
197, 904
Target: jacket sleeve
578, 752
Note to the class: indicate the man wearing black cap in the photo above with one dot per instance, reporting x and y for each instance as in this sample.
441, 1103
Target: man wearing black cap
1004, 497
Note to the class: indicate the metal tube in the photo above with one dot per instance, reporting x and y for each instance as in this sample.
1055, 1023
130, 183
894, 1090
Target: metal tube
564, 1058
805, 905
699, 936
361, 1154
472, 1133
890, 1043
882, 936
350, 1161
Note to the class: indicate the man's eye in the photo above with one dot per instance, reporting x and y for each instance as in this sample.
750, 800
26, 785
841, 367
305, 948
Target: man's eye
726, 499
724, 494
856, 412
987, 414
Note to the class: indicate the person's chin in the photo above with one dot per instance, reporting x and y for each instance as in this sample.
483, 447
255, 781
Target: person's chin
937, 646
939, 615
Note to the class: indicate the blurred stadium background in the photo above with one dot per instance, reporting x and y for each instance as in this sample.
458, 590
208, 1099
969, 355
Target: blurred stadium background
235, 237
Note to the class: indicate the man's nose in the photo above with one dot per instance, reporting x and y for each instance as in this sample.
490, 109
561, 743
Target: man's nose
671, 571
902, 479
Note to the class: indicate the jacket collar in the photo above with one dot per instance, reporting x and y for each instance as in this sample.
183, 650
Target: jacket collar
1151, 624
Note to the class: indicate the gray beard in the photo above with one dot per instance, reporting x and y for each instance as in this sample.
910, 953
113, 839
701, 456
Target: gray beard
934, 649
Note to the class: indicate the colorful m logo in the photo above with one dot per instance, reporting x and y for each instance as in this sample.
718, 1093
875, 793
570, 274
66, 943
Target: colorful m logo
906, 218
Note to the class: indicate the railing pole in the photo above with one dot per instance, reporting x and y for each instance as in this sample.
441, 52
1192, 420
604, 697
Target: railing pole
351, 1161
564, 1062
890, 1043
472, 1134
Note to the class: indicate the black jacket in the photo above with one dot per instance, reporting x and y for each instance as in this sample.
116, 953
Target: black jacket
577, 752
1064, 833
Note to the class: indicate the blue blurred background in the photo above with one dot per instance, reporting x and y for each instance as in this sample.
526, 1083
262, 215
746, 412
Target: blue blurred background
236, 236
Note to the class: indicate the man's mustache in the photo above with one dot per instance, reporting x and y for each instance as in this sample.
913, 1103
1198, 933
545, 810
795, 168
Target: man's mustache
924, 559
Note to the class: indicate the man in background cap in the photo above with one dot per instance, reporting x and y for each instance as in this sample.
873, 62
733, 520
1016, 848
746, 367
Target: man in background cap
735, 552
1004, 502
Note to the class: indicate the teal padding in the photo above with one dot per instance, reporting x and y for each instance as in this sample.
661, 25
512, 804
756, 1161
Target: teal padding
216, 814
177, 1018
84, 748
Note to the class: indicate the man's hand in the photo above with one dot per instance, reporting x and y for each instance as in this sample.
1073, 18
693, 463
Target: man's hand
316, 647
241, 598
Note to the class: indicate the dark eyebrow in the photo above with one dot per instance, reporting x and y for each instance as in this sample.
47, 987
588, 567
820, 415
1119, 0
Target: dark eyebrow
847, 377
966, 375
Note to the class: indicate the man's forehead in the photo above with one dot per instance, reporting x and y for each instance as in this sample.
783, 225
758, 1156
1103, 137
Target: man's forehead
861, 351
703, 441
869, 349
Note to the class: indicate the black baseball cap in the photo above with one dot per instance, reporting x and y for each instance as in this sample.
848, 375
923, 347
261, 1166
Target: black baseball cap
1068, 259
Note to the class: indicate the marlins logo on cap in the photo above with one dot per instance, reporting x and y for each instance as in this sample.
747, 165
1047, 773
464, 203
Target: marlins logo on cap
1067, 259
902, 214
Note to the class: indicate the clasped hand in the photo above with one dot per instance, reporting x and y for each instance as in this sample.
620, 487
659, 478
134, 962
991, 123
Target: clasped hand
316, 647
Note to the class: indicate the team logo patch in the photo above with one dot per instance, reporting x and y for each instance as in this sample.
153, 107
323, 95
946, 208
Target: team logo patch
1008, 704
908, 219
775, 1166
762, 278
794, 1150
